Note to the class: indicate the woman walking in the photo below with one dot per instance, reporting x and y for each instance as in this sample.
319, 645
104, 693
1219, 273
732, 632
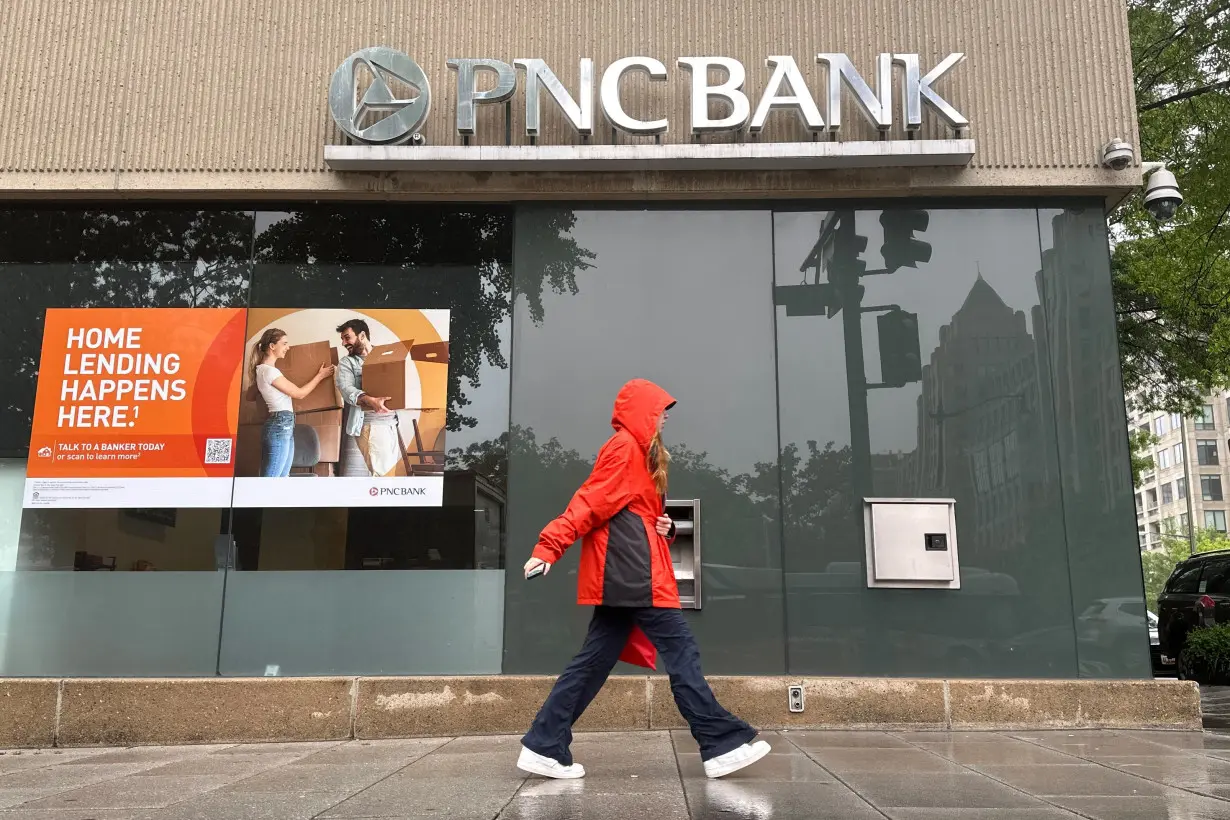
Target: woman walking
626, 576
278, 438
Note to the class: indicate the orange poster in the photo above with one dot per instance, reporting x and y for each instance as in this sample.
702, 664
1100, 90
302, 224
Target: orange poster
128, 398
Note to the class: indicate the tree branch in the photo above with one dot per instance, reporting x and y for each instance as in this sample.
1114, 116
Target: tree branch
1186, 95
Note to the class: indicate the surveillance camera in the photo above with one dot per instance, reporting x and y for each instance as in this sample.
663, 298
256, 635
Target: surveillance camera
1117, 155
1162, 197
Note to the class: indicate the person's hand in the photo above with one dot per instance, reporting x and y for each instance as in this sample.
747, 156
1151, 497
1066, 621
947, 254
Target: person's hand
533, 563
663, 525
326, 370
375, 403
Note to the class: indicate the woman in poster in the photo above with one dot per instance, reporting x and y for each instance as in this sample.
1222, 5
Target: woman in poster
278, 440
627, 577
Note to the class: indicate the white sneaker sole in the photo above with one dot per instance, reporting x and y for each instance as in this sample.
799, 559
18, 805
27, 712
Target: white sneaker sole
731, 768
548, 772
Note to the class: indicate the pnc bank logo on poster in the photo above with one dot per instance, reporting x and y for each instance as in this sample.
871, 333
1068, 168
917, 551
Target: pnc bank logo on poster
396, 492
381, 96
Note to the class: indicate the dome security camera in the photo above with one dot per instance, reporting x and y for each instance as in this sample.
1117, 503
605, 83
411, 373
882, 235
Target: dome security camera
1162, 197
1117, 155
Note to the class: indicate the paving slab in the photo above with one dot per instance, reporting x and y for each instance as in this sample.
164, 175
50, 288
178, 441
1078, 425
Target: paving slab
346, 778
1153, 807
659, 806
71, 777
131, 793
225, 806
12, 761
850, 775
848, 761
355, 752
1000, 754
849, 740
961, 790
748, 798
1046, 779
1047, 813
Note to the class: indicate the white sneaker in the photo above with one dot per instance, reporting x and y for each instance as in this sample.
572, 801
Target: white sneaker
740, 758
534, 763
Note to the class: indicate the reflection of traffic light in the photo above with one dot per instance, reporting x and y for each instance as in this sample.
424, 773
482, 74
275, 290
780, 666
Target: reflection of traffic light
900, 360
807, 300
847, 256
900, 248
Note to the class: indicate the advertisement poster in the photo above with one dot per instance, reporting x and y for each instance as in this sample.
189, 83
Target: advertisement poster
136, 408
342, 408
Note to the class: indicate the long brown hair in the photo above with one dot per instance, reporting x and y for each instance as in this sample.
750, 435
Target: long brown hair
261, 349
659, 462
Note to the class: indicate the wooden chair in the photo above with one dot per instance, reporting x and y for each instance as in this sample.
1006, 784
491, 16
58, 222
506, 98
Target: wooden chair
431, 462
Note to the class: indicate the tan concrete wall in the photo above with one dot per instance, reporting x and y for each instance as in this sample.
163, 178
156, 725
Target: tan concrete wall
78, 712
228, 98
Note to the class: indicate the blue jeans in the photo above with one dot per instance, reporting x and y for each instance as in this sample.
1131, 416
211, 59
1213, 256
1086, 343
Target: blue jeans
716, 730
278, 445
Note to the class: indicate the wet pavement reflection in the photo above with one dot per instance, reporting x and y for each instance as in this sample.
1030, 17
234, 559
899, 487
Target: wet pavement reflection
810, 774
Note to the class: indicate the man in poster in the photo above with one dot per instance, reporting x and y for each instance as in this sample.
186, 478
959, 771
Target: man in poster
370, 441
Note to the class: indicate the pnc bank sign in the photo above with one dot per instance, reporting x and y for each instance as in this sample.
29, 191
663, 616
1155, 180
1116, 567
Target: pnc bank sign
380, 98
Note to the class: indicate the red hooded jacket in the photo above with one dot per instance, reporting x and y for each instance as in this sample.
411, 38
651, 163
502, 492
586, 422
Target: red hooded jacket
624, 562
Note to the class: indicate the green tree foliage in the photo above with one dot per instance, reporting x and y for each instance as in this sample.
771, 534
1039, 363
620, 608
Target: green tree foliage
1172, 281
1141, 442
1158, 564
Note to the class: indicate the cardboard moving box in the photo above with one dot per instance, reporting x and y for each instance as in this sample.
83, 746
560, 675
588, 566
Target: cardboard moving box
436, 352
328, 427
386, 372
252, 407
321, 418
300, 366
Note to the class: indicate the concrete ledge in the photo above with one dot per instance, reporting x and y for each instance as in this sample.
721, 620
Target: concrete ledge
28, 712
128, 712
846, 703
1074, 704
500, 704
39, 713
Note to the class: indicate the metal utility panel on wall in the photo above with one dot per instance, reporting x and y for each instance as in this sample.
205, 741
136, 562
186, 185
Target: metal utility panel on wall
911, 543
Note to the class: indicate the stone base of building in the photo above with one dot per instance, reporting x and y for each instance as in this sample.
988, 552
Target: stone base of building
116, 712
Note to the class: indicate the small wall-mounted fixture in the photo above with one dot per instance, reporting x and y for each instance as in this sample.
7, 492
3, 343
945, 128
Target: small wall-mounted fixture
1117, 155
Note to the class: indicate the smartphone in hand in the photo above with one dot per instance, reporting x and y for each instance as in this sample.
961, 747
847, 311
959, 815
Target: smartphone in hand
536, 572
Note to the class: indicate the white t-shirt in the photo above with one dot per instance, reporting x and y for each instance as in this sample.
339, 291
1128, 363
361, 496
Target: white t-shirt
275, 399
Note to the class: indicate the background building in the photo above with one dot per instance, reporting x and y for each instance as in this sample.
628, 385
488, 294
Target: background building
1188, 453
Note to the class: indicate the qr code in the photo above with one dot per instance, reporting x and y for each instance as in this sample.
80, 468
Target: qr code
217, 451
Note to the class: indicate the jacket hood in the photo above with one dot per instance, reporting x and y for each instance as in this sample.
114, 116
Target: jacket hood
637, 408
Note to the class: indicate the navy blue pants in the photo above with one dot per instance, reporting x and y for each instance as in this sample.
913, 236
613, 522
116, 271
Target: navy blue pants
716, 730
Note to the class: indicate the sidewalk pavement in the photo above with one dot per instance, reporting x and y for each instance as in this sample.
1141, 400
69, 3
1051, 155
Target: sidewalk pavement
1124, 775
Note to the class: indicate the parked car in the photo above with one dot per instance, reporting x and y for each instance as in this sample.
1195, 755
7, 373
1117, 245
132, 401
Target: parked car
1196, 594
1155, 647
1112, 631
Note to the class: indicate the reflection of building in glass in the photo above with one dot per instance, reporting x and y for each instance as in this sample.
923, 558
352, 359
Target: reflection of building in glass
978, 420
1089, 401
889, 474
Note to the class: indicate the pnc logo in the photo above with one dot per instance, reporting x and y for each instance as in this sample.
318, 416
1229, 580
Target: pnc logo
378, 116
396, 492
